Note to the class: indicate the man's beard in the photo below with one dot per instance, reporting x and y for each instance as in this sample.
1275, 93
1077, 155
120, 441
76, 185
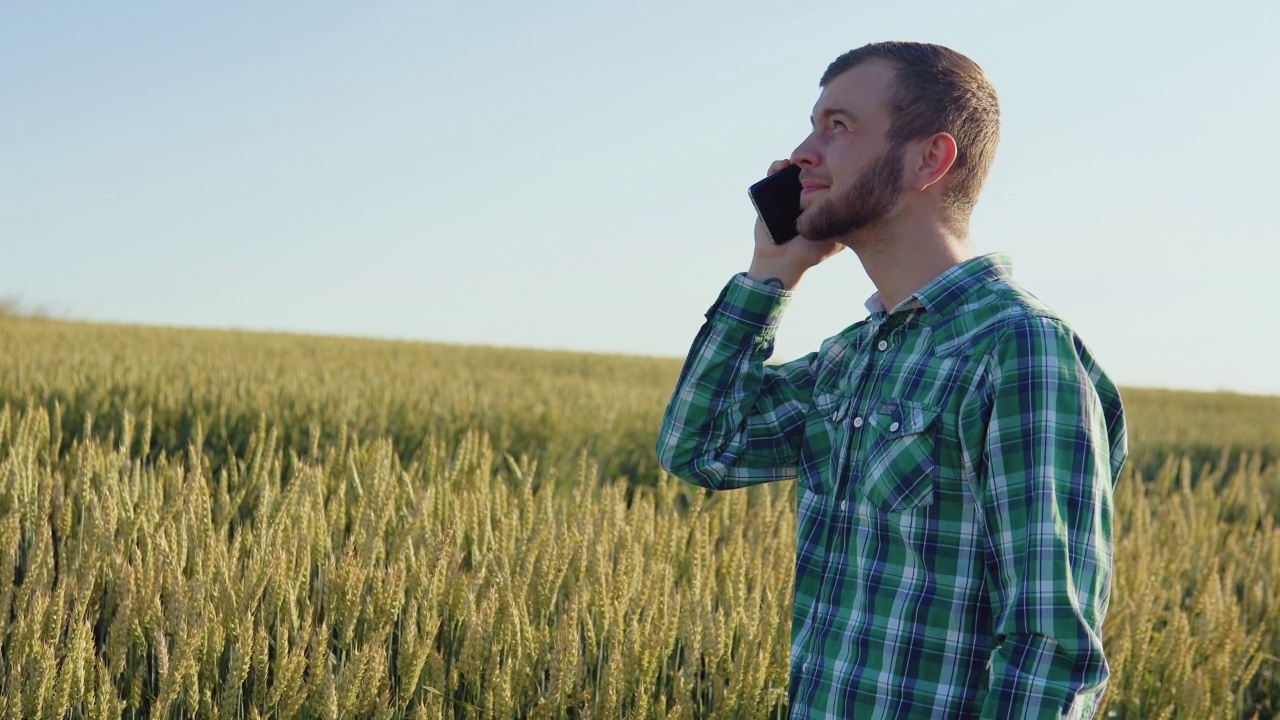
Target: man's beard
871, 197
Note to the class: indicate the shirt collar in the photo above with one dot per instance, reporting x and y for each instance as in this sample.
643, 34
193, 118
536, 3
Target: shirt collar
875, 305
940, 295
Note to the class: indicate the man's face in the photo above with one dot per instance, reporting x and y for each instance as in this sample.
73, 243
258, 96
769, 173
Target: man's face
871, 196
852, 176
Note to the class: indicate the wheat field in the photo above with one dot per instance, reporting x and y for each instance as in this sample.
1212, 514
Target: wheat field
238, 525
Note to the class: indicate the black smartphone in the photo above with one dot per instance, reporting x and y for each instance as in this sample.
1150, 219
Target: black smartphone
777, 199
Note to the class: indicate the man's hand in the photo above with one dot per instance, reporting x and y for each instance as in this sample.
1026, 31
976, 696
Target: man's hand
788, 261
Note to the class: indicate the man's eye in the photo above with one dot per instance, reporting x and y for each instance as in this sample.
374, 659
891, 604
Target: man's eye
838, 125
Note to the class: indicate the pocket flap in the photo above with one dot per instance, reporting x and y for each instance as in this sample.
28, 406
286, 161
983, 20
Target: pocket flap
896, 418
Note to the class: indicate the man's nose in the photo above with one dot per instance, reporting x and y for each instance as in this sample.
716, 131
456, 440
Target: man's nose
806, 153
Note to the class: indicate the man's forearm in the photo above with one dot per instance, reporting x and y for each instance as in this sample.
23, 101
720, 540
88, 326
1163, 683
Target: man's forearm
776, 272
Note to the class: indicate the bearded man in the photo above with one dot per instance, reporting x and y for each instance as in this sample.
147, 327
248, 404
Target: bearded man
955, 451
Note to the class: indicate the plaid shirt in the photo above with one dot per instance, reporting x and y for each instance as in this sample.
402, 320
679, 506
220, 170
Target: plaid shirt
955, 460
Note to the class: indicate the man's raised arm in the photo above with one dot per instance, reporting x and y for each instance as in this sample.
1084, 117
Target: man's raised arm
733, 421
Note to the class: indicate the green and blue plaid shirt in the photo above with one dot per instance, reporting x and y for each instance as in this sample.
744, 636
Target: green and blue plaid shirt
955, 460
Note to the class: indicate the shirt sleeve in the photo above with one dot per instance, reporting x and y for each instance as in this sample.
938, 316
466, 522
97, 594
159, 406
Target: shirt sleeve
734, 421
1046, 502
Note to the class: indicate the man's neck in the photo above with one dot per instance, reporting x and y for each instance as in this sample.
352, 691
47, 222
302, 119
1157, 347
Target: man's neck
901, 259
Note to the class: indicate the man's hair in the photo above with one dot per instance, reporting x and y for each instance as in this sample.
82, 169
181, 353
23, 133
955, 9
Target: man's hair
935, 90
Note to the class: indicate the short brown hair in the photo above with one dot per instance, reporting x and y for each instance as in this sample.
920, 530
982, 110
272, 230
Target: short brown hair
937, 89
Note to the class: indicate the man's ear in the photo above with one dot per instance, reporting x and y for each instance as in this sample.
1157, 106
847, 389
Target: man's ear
932, 161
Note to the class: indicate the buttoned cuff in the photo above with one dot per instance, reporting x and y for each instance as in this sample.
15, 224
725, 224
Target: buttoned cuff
750, 305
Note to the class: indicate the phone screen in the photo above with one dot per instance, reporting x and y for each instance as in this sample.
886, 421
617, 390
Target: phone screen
777, 199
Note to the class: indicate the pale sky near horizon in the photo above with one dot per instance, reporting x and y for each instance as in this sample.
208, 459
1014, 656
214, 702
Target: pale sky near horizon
573, 175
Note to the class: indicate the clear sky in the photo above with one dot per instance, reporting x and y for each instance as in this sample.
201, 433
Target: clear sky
572, 174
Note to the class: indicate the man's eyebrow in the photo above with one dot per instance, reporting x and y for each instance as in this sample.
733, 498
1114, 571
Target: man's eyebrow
828, 112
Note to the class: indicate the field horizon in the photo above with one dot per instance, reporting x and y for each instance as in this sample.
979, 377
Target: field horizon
9, 308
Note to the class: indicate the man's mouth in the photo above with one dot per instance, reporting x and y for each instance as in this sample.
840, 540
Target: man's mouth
808, 186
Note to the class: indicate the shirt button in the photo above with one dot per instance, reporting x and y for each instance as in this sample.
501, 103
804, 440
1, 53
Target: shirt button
893, 427
857, 422
844, 504
884, 345
835, 416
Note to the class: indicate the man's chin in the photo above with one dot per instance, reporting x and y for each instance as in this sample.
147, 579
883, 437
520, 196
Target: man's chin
811, 227
804, 222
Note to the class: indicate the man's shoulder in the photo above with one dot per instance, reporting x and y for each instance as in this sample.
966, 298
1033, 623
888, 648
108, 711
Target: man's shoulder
989, 313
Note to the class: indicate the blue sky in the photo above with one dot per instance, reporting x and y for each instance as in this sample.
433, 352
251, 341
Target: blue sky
573, 174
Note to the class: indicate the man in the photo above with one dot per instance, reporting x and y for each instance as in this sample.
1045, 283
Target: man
955, 451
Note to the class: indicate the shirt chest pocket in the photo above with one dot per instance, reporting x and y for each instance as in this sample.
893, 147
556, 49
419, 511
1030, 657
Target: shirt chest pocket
902, 463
